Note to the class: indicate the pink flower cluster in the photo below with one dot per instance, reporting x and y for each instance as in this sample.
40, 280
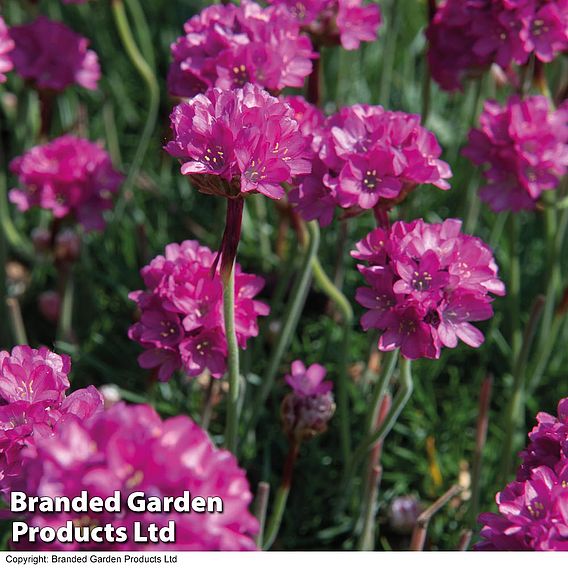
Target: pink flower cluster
181, 322
69, 176
307, 410
525, 146
533, 511
467, 36
426, 284
129, 448
238, 141
6, 46
53, 56
365, 156
348, 22
227, 46
32, 402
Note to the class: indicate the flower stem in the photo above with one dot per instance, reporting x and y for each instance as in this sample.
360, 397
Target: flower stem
149, 78
399, 402
231, 429
260, 506
17, 321
281, 496
67, 291
342, 303
291, 317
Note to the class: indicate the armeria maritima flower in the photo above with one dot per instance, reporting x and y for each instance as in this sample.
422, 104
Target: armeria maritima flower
69, 176
228, 46
6, 46
524, 145
329, 22
533, 511
426, 284
128, 449
233, 143
181, 323
32, 401
53, 56
467, 36
307, 410
366, 158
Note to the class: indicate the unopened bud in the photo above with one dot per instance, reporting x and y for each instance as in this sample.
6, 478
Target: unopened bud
67, 246
49, 304
403, 513
41, 238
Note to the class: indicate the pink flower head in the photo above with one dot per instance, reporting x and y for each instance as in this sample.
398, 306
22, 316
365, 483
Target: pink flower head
32, 394
524, 146
53, 56
307, 410
366, 158
426, 283
128, 449
310, 381
533, 514
233, 143
181, 323
548, 442
69, 176
329, 22
6, 46
228, 46
467, 36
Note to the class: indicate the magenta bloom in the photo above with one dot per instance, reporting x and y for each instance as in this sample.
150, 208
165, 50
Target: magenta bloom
181, 323
228, 46
548, 442
6, 46
233, 143
32, 401
129, 448
329, 22
310, 381
426, 284
533, 514
467, 36
365, 158
307, 410
69, 176
53, 56
524, 146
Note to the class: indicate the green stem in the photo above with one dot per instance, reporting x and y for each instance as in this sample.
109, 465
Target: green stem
387, 369
17, 322
65, 327
149, 78
342, 303
291, 317
399, 402
281, 496
231, 430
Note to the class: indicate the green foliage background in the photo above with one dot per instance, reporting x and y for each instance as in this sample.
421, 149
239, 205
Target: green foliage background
161, 207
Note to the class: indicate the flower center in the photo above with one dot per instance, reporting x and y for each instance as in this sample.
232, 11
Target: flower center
421, 281
214, 157
240, 75
370, 181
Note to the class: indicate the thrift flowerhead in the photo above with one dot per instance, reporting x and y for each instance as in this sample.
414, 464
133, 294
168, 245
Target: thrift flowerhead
533, 514
307, 410
467, 36
366, 158
426, 283
32, 395
129, 448
330, 22
53, 56
69, 176
181, 323
524, 146
227, 46
6, 46
234, 143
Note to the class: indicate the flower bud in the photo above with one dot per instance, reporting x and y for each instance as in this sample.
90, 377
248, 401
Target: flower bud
403, 513
49, 304
307, 410
41, 238
67, 246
